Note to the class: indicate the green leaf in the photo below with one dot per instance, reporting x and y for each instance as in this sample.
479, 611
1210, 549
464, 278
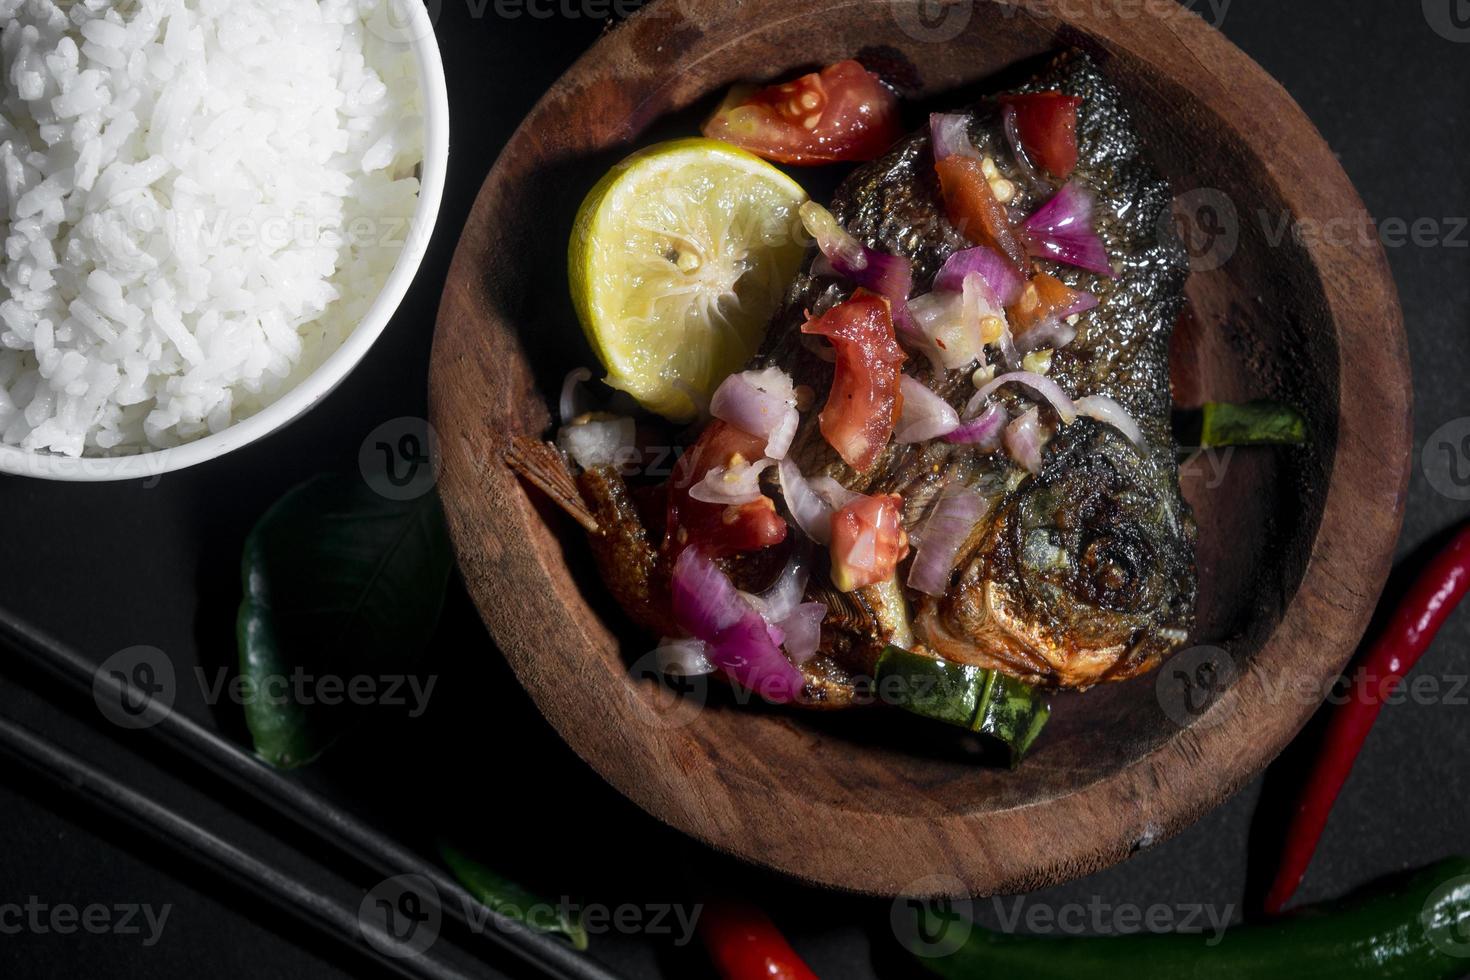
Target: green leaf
1257, 423
338, 582
499, 894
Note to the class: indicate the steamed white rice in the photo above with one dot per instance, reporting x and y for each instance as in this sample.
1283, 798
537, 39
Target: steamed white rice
198, 201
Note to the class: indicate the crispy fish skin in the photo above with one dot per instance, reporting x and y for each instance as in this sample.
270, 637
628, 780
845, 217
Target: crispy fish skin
1084, 573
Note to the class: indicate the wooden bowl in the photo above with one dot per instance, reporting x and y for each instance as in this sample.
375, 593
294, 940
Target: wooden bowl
1294, 545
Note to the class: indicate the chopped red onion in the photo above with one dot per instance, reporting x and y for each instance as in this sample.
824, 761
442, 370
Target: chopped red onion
1018, 150
847, 254
778, 443
737, 484
949, 322
836, 495
682, 656
1084, 302
999, 274
1062, 231
784, 594
812, 502
949, 524
925, 415
1009, 356
597, 441
984, 430
707, 604
1040, 384
949, 132
569, 401
761, 403
890, 276
803, 629
811, 513
1052, 332
1023, 441
1109, 412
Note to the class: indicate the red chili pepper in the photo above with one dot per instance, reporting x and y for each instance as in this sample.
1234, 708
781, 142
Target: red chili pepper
1434, 595
746, 945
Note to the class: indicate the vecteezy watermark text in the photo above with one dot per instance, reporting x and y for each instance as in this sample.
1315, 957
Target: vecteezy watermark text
39, 918
138, 686
1099, 917
329, 690
402, 916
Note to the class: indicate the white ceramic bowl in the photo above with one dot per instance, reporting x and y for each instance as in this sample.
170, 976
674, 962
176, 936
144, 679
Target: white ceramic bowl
407, 21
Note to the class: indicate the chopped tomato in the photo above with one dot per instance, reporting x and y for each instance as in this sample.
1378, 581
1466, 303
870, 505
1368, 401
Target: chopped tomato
842, 113
719, 529
972, 207
1046, 123
1045, 296
864, 403
868, 541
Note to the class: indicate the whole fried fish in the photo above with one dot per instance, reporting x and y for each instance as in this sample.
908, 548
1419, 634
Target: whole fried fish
1085, 572
1079, 574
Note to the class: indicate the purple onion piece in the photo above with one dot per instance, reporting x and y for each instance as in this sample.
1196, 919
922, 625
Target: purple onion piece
1062, 231
1004, 281
984, 430
761, 403
924, 415
949, 524
803, 629
1038, 383
1052, 332
1023, 441
949, 133
1023, 159
1109, 412
707, 604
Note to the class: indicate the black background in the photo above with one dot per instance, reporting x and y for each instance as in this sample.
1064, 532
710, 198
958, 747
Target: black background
108, 567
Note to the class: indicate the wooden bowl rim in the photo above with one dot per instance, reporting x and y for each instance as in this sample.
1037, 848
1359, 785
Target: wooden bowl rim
1234, 739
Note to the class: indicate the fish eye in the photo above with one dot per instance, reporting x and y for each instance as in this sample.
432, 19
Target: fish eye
1107, 564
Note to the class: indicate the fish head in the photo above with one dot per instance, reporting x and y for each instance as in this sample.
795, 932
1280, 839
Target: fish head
1084, 572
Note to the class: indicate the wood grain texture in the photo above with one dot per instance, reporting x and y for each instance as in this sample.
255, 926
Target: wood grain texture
1294, 545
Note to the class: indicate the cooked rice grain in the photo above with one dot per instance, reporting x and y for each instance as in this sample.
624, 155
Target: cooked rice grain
199, 199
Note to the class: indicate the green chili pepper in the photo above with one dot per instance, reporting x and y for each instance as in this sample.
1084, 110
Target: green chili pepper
500, 894
987, 702
1414, 927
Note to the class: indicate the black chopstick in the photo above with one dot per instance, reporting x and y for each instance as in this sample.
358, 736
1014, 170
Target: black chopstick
330, 916
305, 809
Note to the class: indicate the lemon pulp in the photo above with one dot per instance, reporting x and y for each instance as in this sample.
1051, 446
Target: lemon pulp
678, 259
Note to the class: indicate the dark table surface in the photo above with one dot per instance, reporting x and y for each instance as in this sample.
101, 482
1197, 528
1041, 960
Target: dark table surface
155, 563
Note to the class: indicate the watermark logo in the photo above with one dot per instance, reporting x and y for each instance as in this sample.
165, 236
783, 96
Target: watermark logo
1446, 459
932, 21
1450, 19
135, 688
1448, 930
665, 699
400, 458
398, 22
401, 916
1207, 222
1208, 464
1191, 681
935, 925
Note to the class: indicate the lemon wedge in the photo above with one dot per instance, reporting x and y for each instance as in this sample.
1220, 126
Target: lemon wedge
679, 257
